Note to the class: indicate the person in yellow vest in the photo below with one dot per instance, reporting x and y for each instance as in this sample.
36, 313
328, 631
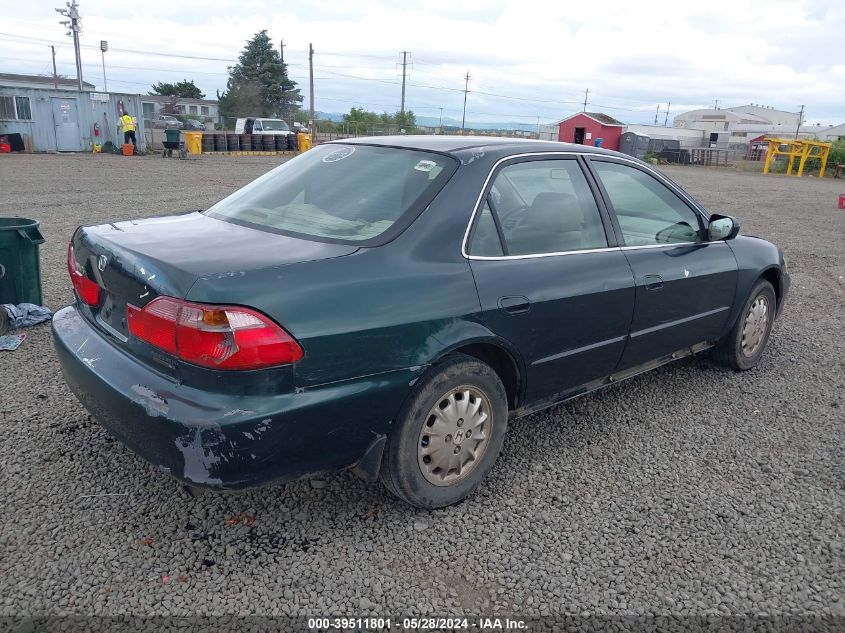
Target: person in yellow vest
128, 125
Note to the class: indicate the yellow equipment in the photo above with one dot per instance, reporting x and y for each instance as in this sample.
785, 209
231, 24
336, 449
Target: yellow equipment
193, 142
802, 150
303, 141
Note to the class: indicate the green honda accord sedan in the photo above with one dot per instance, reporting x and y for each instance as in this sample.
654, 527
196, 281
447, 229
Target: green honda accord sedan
387, 305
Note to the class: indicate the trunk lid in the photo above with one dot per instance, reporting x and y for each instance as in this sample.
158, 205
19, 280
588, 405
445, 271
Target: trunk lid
136, 261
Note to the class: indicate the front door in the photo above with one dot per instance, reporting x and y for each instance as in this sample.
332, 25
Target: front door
579, 136
548, 278
66, 120
685, 284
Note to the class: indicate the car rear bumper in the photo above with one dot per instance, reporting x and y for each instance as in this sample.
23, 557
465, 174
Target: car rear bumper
221, 440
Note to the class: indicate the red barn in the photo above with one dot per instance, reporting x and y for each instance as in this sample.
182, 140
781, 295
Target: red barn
585, 127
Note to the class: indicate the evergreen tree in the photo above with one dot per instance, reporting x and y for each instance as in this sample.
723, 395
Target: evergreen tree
185, 89
259, 84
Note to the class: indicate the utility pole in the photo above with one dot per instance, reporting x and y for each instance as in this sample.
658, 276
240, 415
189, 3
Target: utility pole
404, 73
666, 119
282, 49
311, 89
72, 23
716, 104
586, 94
441, 121
104, 46
657, 112
55, 75
466, 90
800, 120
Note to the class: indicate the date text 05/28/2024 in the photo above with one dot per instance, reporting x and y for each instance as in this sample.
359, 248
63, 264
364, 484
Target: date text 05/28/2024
416, 624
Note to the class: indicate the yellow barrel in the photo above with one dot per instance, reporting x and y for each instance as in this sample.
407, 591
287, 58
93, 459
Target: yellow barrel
193, 142
304, 141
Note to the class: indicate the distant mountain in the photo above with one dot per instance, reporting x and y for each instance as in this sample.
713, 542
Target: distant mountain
430, 121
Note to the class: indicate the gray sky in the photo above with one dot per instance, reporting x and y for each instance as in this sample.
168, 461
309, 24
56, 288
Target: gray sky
527, 59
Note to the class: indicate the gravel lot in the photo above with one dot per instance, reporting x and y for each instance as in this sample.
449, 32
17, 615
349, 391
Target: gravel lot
690, 490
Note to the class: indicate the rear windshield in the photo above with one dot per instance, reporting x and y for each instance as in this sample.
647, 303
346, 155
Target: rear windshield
339, 192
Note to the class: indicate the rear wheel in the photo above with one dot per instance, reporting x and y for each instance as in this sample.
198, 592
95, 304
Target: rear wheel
448, 435
743, 347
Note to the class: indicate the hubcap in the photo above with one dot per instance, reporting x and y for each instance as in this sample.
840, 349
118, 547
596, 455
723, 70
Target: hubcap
755, 326
454, 436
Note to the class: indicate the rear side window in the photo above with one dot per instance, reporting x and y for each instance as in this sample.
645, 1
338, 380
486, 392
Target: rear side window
543, 206
345, 192
485, 238
648, 211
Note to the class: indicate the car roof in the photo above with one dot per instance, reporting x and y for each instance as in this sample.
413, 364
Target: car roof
449, 144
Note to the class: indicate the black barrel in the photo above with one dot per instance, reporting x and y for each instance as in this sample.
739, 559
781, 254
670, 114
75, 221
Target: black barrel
268, 143
256, 142
281, 142
246, 142
293, 142
207, 143
219, 142
232, 142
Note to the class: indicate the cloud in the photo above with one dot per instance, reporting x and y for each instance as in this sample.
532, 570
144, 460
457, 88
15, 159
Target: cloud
527, 59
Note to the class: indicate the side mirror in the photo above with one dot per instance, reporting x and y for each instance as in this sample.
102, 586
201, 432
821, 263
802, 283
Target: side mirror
722, 227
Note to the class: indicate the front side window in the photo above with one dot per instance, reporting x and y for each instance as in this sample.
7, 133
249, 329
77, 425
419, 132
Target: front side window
343, 192
544, 206
648, 211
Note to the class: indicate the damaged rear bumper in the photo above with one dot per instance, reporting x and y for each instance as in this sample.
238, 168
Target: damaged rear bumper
221, 440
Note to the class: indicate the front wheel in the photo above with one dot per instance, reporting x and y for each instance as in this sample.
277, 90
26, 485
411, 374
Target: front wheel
743, 347
448, 436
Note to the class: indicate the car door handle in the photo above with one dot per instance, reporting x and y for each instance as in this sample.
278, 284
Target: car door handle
653, 282
515, 305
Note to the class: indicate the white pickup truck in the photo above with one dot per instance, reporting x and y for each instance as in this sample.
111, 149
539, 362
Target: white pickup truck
273, 127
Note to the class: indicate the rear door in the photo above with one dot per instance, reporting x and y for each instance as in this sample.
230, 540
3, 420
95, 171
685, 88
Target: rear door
549, 277
685, 284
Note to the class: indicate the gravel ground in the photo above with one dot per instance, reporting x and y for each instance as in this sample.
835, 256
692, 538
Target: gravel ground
691, 490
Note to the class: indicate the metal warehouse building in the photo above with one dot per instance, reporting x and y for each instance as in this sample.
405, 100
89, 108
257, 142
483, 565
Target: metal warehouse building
63, 119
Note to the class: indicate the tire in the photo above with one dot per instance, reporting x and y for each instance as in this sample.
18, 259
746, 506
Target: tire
468, 388
742, 348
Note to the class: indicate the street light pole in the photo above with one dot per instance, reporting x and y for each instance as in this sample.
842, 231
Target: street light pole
104, 46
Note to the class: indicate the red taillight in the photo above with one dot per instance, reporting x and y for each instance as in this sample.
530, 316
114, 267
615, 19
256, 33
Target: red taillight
88, 291
220, 337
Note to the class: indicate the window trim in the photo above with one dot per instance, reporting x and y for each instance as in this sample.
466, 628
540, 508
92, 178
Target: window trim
610, 229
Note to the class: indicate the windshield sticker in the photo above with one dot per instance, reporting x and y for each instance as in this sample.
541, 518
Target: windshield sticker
425, 165
338, 154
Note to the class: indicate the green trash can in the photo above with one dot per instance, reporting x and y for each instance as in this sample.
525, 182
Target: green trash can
20, 267
172, 135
